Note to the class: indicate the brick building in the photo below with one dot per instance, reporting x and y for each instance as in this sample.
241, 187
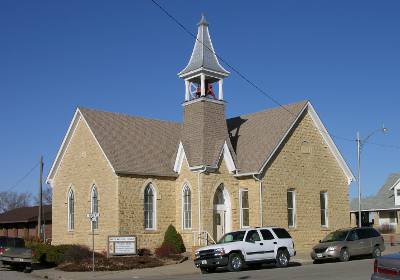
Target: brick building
207, 175
23, 222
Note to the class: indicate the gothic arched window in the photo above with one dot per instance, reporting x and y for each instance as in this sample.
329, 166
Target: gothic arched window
149, 207
70, 206
186, 207
94, 206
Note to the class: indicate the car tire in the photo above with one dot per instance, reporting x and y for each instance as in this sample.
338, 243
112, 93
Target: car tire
282, 258
317, 262
235, 262
376, 252
207, 270
28, 269
344, 255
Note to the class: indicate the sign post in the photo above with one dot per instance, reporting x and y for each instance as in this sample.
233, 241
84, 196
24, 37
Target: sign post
93, 218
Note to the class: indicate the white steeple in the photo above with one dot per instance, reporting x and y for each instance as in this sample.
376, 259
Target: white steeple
203, 68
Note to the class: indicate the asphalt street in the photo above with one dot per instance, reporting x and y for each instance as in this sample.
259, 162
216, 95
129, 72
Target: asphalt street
353, 270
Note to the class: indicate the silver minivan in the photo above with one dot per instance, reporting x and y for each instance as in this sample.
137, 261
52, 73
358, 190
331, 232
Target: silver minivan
345, 243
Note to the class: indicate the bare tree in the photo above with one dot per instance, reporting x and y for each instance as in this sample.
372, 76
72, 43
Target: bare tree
47, 196
12, 200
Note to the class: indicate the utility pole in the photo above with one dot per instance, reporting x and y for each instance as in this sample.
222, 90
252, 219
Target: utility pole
40, 199
359, 176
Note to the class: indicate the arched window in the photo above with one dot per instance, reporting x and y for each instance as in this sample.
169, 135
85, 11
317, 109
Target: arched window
186, 207
149, 207
70, 205
94, 206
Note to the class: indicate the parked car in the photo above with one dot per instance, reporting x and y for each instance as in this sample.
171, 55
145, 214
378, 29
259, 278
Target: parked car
252, 246
387, 267
14, 253
345, 243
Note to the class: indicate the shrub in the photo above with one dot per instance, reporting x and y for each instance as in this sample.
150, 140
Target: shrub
46, 253
144, 252
172, 237
116, 263
166, 251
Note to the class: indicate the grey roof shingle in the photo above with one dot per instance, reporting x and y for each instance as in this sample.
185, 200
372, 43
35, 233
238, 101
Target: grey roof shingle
204, 132
203, 55
384, 199
255, 136
135, 145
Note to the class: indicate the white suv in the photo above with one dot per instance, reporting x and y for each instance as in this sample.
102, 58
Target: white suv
250, 246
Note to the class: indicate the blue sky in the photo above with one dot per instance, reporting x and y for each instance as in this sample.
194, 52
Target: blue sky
123, 56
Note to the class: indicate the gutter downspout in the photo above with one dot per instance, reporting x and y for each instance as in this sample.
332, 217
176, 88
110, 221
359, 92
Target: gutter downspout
199, 195
260, 199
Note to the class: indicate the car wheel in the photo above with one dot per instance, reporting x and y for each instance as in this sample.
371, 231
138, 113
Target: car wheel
207, 270
235, 262
344, 255
282, 258
27, 269
376, 252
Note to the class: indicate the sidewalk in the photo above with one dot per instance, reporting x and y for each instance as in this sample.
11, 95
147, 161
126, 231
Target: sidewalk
185, 268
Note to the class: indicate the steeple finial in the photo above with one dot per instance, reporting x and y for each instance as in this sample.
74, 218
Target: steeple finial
203, 20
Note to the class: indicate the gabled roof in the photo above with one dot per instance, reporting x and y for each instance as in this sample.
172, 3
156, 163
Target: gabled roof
203, 55
384, 199
134, 144
256, 137
131, 145
141, 146
25, 215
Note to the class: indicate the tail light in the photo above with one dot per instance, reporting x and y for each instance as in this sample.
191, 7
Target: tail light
384, 270
2, 250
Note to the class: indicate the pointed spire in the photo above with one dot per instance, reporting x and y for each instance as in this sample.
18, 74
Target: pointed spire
203, 56
203, 20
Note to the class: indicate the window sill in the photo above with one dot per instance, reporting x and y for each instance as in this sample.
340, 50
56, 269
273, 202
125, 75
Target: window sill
151, 231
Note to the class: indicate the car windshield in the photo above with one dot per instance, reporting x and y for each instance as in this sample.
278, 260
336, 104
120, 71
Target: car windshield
232, 237
339, 235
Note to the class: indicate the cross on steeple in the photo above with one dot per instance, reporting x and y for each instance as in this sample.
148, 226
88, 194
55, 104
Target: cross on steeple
203, 68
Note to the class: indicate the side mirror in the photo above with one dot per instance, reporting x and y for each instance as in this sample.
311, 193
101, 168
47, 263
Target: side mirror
320, 241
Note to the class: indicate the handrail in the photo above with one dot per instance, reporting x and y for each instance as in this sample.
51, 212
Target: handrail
202, 236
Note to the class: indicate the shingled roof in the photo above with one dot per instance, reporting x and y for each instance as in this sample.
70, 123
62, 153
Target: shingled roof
254, 137
142, 146
384, 199
25, 214
135, 145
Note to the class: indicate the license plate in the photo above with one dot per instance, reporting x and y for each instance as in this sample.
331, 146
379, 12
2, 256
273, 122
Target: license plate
21, 260
319, 255
204, 262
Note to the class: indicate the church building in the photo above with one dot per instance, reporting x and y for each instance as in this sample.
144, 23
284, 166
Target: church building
206, 175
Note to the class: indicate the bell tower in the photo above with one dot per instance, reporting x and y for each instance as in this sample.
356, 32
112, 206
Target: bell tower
204, 129
203, 70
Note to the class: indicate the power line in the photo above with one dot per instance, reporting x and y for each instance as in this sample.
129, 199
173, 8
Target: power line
251, 83
19, 181
234, 69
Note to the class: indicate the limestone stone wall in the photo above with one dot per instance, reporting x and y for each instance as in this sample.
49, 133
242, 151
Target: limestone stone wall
131, 208
82, 166
306, 164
